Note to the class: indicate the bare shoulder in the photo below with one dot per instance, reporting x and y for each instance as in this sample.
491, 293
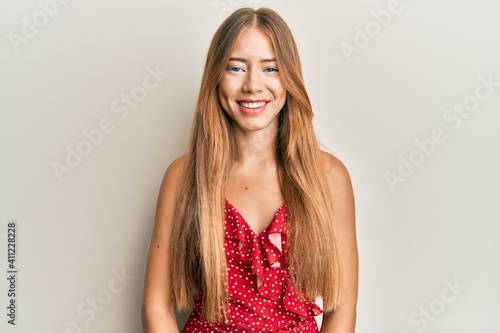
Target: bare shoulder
170, 186
339, 182
167, 199
334, 167
171, 178
177, 165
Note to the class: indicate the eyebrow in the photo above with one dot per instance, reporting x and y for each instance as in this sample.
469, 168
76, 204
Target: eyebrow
245, 61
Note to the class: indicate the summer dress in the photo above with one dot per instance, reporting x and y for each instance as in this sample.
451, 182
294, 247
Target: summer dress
261, 296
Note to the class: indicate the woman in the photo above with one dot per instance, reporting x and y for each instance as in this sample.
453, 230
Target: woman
255, 221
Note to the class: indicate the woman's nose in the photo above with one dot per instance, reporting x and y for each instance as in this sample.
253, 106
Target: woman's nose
253, 82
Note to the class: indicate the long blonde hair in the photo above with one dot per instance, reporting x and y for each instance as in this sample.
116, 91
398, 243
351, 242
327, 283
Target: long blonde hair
197, 253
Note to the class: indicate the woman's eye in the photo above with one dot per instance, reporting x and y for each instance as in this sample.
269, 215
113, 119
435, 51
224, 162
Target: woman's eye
235, 69
271, 70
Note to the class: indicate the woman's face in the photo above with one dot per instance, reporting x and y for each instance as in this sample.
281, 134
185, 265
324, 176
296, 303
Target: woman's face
251, 91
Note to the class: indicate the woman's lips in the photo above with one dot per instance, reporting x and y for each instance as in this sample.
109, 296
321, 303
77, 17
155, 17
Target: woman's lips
251, 107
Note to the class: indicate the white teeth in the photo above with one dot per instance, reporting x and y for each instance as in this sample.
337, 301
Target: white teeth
252, 105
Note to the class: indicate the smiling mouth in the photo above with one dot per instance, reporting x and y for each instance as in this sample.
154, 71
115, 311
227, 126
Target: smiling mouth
252, 104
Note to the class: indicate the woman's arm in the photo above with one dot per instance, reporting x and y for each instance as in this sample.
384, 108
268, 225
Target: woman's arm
344, 319
158, 310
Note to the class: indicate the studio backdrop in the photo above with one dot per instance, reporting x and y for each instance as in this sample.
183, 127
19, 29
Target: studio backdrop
97, 98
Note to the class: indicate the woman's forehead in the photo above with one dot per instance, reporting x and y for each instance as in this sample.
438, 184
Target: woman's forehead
253, 43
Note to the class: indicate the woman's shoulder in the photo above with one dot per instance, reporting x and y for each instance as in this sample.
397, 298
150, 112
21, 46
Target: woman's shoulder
333, 165
177, 165
337, 177
172, 176
341, 191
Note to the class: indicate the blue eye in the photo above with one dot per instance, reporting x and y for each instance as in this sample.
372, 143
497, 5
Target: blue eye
235, 69
271, 70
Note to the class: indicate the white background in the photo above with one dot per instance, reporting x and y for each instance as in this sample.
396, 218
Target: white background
438, 227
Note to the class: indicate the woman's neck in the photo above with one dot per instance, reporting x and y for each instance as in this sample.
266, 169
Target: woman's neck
256, 146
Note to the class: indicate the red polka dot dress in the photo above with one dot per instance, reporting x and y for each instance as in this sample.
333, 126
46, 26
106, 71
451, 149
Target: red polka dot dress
261, 296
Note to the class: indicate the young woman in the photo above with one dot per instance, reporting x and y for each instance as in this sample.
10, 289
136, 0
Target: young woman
255, 221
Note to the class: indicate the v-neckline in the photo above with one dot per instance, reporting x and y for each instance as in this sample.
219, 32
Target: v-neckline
248, 225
